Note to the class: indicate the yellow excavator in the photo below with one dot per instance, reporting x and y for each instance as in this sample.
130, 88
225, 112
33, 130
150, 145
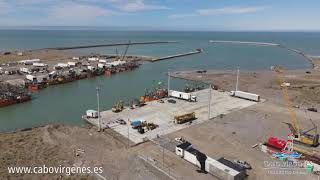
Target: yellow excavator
300, 136
118, 107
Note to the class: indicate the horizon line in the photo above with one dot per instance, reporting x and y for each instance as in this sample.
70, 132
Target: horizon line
143, 28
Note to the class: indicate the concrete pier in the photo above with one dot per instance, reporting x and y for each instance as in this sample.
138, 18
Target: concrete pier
245, 42
163, 114
177, 55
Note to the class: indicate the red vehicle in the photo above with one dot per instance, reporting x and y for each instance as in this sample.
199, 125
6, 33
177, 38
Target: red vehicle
276, 143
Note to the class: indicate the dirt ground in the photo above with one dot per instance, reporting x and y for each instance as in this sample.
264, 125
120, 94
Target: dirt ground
233, 135
56, 145
49, 55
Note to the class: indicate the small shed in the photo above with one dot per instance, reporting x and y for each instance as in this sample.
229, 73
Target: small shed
92, 114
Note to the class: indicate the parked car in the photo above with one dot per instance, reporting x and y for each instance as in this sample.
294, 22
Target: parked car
160, 101
121, 121
313, 109
172, 101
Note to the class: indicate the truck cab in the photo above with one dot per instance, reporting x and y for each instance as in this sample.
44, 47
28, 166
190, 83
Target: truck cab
193, 98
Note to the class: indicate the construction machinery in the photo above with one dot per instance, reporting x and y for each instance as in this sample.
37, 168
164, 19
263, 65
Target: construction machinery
185, 118
118, 107
126, 50
150, 126
300, 136
143, 126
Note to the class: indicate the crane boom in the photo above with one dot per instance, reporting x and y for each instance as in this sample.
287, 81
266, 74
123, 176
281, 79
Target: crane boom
126, 50
289, 103
299, 136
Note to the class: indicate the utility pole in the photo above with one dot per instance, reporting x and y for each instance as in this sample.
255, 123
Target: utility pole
117, 53
163, 157
168, 81
98, 102
209, 105
128, 133
237, 83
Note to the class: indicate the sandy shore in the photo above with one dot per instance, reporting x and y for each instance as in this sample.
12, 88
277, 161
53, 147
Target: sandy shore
316, 62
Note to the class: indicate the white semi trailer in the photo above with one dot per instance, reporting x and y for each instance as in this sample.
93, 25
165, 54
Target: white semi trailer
183, 95
246, 95
208, 164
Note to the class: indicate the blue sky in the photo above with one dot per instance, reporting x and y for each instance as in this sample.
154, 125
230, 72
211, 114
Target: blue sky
232, 15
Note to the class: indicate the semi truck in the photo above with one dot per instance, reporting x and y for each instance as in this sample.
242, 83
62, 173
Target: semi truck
245, 95
183, 95
185, 118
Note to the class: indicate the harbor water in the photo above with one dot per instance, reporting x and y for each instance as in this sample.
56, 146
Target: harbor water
68, 102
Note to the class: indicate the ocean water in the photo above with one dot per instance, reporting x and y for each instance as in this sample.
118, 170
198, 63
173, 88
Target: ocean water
67, 103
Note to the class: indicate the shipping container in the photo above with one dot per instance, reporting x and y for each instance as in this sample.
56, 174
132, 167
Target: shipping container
93, 59
37, 64
72, 64
62, 65
102, 61
76, 58
29, 61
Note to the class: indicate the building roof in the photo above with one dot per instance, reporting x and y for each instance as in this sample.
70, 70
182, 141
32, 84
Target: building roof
231, 164
184, 145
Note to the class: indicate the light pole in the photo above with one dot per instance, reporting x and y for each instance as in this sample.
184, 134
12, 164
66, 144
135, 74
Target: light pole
128, 133
168, 82
163, 157
237, 83
209, 105
98, 102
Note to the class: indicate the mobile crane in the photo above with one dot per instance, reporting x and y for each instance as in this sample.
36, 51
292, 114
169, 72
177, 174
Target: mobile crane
300, 136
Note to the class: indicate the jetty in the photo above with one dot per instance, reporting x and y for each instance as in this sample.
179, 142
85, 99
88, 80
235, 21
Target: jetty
111, 44
307, 57
246, 42
197, 51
